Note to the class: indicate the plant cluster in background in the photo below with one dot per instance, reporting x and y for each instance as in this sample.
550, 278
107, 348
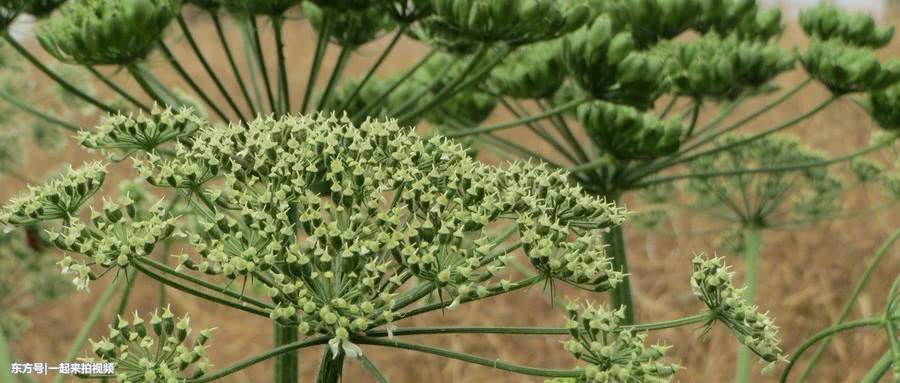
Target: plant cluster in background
344, 221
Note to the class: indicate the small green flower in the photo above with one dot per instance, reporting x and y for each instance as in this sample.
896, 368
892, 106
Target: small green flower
826, 22
628, 133
614, 353
511, 21
105, 32
350, 27
847, 69
142, 132
154, 351
712, 283
59, 198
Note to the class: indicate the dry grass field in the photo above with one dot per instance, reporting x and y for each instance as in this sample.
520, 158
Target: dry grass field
806, 273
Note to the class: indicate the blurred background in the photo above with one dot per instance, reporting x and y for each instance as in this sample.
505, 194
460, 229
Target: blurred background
806, 272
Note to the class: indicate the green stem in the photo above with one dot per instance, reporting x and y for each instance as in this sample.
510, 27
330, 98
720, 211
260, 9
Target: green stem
234, 68
336, 74
331, 368
261, 62
92, 319
752, 245
199, 293
695, 116
519, 113
55, 77
138, 74
511, 124
187, 277
493, 363
693, 319
318, 55
668, 107
787, 124
5, 359
283, 89
384, 95
824, 334
448, 89
879, 369
620, 294
559, 121
380, 60
249, 48
286, 365
261, 357
373, 370
209, 70
126, 294
116, 88
173, 61
854, 295
37, 113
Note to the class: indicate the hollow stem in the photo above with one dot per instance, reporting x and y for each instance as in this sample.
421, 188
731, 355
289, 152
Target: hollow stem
55, 77
493, 363
173, 61
854, 295
752, 244
286, 365
620, 295
209, 70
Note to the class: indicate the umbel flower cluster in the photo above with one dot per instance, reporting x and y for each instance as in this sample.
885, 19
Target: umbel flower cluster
614, 353
712, 283
157, 350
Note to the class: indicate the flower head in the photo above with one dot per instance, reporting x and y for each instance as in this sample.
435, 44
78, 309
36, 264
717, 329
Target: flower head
628, 133
614, 353
104, 32
847, 69
827, 21
59, 198
142, 132
349, 27
154, 350
712, 283
512, 21
533, 71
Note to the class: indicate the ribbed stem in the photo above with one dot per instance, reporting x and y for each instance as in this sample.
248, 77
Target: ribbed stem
621, 293
752, 244
879, 369
331, 368
287, 369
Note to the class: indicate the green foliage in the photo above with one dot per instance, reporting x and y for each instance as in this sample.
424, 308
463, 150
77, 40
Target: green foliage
884, 106
511, 21
59, 198
96, 32
350, 28
826, 22
259, 7
531, 72
42, 8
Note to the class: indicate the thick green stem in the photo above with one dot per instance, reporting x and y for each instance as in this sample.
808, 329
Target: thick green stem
259, 358
449, 88
331, 368
752, 245
209, 70
126, 294
373, 370
493, 363
55, 77
287, 369
378, 101
824, 334
336, 74
247, 38
854, 295
92, 319
138, 73
321, 48
621, 293
234, 68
